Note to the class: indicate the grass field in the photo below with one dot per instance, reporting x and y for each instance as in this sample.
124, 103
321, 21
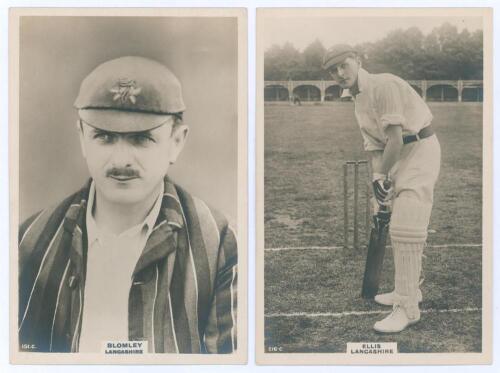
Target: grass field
312, 298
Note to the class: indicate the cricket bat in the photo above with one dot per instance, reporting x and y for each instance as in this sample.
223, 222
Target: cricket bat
376, 252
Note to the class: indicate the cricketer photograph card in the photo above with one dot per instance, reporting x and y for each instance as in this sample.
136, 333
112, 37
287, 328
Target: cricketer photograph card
128, 186
374, 186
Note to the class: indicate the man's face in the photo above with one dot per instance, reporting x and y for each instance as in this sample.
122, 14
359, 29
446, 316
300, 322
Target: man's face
128, 167
345, 73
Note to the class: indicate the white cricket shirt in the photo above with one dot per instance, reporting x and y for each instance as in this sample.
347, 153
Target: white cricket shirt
111, 260
383, 100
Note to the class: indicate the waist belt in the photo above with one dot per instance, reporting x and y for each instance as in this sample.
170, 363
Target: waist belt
422, 134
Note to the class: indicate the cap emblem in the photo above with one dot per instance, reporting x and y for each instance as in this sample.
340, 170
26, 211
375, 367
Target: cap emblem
125, 89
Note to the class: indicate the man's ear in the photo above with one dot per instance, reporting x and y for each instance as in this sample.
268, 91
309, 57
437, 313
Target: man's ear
79, 126
178, 138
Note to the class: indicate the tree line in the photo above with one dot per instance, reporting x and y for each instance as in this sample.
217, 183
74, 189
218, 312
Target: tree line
444, 53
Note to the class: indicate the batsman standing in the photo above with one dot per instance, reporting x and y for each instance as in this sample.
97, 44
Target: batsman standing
405, 158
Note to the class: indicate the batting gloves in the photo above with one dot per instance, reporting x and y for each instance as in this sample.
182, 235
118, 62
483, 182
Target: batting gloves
382, 189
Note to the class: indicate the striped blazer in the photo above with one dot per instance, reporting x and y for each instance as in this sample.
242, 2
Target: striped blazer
183, 293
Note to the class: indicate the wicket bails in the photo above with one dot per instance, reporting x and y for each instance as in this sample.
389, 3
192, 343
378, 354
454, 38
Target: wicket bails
367, 190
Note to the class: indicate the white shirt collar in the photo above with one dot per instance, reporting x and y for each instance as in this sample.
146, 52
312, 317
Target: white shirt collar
94, 232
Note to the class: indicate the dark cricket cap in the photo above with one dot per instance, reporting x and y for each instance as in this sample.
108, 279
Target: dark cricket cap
129, 94
336, 54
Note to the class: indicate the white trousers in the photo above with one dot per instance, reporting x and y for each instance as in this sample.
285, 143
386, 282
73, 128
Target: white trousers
416, 173
414, 177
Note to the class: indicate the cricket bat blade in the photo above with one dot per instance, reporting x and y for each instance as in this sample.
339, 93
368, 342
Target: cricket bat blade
374, 260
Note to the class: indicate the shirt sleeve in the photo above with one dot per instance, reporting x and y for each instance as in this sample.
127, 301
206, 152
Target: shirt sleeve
371, 143
220, 333
389, 105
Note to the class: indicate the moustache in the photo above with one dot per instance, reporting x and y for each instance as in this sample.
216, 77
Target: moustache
122, 172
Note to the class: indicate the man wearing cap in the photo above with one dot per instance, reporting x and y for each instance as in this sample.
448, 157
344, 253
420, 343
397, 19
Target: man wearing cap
405, 155
131, 256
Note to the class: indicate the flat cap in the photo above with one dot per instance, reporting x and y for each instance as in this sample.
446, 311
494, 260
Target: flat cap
336, 54
129, 94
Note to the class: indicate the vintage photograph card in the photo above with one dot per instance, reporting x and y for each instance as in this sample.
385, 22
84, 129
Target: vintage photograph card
374, 182
128, 186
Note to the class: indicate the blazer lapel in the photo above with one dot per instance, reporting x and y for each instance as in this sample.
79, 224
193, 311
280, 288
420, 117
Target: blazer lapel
67, 319
163, 239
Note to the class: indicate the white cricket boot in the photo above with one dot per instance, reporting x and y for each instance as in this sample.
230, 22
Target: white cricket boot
387, 299
402, 316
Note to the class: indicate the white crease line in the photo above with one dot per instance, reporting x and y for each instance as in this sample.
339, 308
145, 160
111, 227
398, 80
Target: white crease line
304, 248
362, 313
341, 247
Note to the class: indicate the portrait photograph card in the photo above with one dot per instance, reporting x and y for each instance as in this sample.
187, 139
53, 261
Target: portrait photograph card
374, 186
128, 175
